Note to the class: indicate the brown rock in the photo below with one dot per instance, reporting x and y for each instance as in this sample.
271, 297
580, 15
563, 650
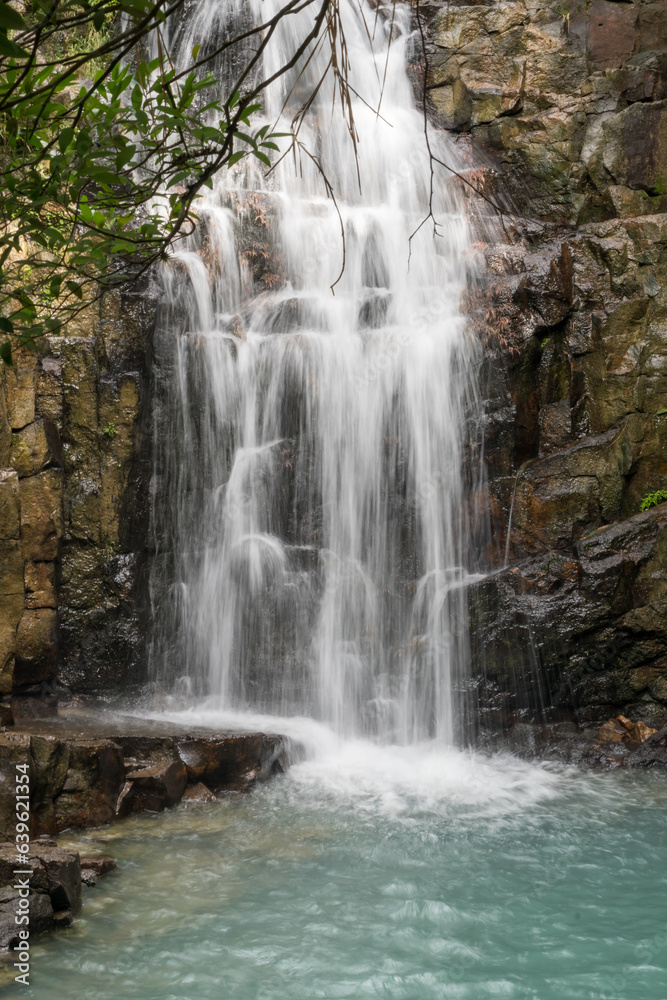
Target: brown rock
62, 919
94, 778
555, 421
55, 877
49, 390
37, 877
548, 291
611, 35
199, 793
10, 511
5, 433
454, 103
232, 762
40, 585
30, 706
159, 787
7, 650
41, 515
123, 806
20, 383
612, 732
8, 927
41, 918
622, 729
652, 27
35, 447
11, 568
50, 757
63, 874
99, 864
41, 913
6, 716
635, 146
641, 732
36, 647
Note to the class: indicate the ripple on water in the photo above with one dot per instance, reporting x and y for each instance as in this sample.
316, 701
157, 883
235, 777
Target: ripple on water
392, 872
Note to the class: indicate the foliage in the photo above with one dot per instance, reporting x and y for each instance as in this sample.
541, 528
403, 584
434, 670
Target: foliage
653, 499
98, 177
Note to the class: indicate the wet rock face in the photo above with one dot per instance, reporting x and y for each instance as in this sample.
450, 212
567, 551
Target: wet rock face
576, 430
581, 634
85, 782
567, 100
54, 885
73, 482
564, 109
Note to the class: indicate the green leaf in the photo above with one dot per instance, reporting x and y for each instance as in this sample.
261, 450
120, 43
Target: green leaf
262, 157
124, 156
10, 18
195, 51
6, 353
235, 157
65, 138
659, 413
6, 325
10, 48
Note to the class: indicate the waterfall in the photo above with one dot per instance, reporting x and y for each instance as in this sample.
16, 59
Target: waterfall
309, 523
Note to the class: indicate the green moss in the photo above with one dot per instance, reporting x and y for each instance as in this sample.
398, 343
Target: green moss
653, 499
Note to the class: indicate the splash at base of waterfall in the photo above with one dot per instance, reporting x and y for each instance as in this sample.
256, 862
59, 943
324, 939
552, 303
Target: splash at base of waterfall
416, 874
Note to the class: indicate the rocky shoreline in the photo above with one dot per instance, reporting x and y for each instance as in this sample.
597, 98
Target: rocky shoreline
87, 771
54, 892
91, 769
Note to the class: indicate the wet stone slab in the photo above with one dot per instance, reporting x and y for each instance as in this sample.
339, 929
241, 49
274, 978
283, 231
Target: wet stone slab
88, 770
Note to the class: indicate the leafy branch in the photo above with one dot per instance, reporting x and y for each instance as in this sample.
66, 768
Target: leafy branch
99, 177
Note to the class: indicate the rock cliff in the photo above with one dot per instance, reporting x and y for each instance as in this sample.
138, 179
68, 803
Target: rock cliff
562, 107
74, 446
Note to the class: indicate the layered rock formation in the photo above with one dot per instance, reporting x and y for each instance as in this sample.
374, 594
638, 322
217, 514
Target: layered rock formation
564, 111
82, 780
74, 438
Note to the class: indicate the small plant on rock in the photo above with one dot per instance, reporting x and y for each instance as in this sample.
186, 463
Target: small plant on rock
653, 499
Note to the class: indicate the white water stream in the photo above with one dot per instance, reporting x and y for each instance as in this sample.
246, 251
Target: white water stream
311, 542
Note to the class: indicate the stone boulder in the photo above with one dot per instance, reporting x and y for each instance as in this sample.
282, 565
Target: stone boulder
95, 774
232, 762
198, 793
94, 866
635, 147
54, 884
158, 787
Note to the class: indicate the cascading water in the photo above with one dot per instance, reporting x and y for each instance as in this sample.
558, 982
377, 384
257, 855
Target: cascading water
310, 537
